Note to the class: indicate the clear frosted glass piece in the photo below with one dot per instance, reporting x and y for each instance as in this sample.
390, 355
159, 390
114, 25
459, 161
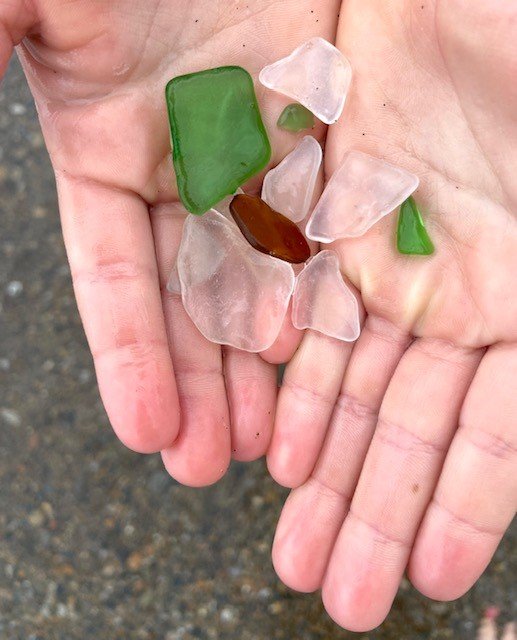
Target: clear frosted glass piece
233, 294
323, 302
289, 187
361, 191
316, 74
174, 284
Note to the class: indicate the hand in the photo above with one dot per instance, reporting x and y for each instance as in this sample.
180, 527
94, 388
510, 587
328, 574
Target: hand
403, 446
98, 73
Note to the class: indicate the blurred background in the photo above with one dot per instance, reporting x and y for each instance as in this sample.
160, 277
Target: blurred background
97, 542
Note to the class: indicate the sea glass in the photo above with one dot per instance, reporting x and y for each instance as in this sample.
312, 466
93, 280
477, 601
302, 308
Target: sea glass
233, 294
269, 231
412, 236
218, 138
316, 74
360, 192
223, 207
173, 283
289, 187
295, 117
323, 302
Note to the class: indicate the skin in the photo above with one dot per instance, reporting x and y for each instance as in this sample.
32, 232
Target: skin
403, 451
98, 71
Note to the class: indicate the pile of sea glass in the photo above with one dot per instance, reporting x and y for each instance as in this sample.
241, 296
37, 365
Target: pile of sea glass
234, 269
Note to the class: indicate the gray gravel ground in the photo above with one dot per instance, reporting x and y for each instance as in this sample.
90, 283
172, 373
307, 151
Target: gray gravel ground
99, 543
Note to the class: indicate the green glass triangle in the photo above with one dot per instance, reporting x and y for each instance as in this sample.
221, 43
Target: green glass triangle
295, 117
412, 237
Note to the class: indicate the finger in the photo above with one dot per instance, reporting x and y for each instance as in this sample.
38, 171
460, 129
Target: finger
110, 248
305, 403
476, 497
201, 453
251, 385
416, 422
15, 22
284, 347
314, 513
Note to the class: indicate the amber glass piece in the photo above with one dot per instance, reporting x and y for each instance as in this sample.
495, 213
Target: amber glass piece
269, 231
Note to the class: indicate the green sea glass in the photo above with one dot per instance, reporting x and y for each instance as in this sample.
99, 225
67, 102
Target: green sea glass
412, 237
295, 117
218, 138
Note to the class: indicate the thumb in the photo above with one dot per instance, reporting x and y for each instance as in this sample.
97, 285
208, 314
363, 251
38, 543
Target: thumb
16, 18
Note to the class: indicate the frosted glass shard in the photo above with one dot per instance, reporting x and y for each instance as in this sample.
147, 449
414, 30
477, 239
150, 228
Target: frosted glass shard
316, 74
174, 284
289, 187
233, 294
360, 192
323, 302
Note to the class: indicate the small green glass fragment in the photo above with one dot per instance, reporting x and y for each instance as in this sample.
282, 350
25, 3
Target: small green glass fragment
295, 117
218, 138
412, 237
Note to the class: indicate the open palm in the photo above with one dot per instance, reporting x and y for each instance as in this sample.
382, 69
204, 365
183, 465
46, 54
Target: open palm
432, 92
403, 448
98, 71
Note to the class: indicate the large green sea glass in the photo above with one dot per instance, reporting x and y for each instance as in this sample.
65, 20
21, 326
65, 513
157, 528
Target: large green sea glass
218, 137
412, 237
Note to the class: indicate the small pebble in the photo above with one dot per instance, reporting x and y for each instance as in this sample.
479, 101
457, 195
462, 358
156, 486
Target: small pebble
39, 212
36, 518
17, 109
257, 501
10, 417
84, 376
14, 288
48, 365
228, 615
275, 608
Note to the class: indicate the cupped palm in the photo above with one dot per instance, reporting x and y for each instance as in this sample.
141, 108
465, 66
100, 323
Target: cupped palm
368, 434
403, 451
98, 72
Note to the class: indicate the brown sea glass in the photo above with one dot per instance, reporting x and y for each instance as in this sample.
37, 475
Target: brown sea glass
269, 231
